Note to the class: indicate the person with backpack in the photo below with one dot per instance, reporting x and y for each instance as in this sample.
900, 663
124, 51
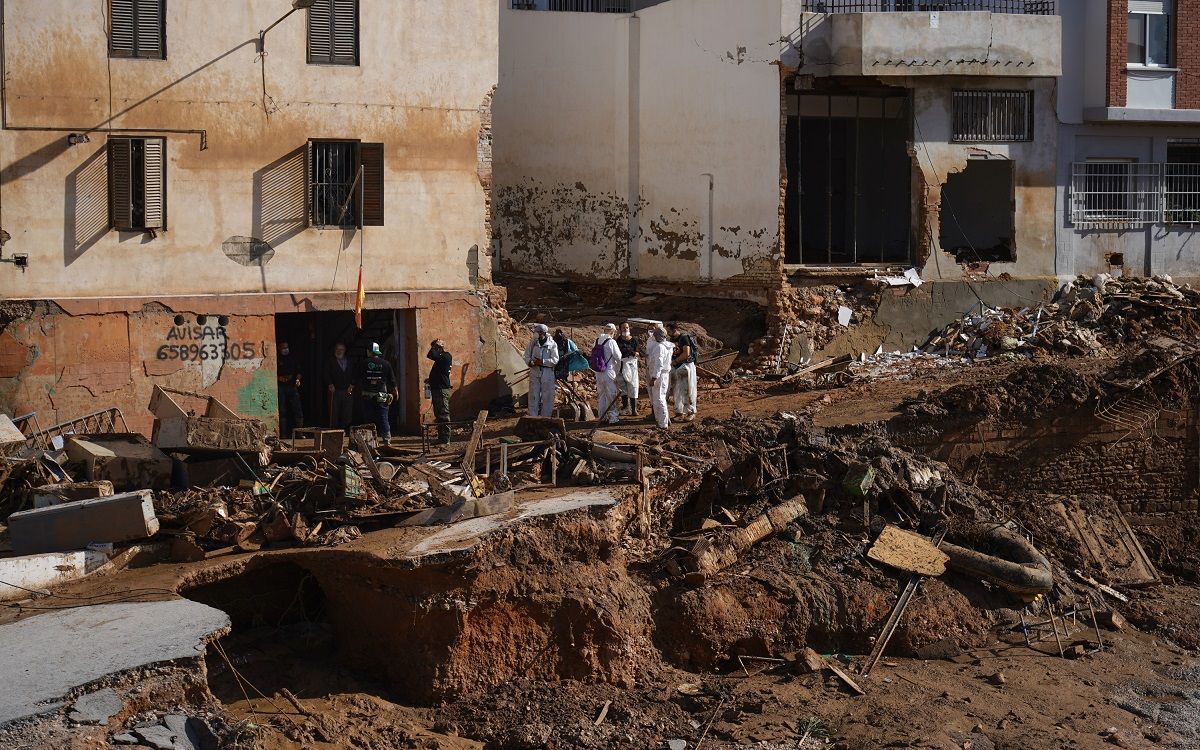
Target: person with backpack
541, 354
683, 373
606, 363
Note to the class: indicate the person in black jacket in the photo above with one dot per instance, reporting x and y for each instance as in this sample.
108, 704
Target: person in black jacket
291, 412
340, 379
439, 387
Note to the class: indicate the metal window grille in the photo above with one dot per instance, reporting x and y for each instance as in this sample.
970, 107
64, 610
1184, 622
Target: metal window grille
1115, 194
332, 169
1181, 193
992, 116
1027, 7
576, 6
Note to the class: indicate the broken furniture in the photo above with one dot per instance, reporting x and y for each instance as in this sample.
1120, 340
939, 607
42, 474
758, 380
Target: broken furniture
127, 460
73, 526
69, 492
218, 428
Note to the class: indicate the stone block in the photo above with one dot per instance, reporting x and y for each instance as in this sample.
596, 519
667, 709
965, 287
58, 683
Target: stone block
125, 459
69, 492
72, 526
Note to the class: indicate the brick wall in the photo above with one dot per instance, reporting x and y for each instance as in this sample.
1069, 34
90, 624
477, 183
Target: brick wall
1118, 51
1187, 54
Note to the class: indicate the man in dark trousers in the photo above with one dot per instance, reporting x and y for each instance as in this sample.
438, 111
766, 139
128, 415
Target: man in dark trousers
339, 379
378, 387
439, 387
291, 413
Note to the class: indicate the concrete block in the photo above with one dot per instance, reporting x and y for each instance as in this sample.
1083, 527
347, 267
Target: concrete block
69, 492
97, 707
39, 572
125, 459
72, 526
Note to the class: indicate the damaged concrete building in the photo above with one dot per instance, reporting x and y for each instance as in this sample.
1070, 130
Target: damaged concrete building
754, 149
185, 186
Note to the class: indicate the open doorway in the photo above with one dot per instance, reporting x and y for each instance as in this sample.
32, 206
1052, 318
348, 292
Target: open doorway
314, 335
849, 178
977, 212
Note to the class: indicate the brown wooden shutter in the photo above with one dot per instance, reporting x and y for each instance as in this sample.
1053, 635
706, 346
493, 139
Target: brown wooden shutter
155, 184
320, 32
345, 32
151, 29
120, 188
121, 23
370, 156
310, 209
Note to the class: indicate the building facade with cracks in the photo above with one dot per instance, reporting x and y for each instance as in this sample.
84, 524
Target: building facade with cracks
185, 184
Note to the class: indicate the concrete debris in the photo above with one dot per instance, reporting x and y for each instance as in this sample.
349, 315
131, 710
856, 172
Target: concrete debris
69, 492
909, 552
127, 460
96, 707
26, 576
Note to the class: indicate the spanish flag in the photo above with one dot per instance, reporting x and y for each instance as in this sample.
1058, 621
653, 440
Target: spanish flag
359, 299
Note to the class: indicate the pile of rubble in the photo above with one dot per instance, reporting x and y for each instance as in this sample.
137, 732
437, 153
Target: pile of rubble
1087, 316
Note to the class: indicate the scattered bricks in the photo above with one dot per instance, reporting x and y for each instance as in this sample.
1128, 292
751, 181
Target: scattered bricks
69, 492
126, 460
1111, 620
72, 526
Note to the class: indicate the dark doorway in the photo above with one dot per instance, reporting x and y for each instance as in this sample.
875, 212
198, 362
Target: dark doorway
849, 195
977, 212
312, 337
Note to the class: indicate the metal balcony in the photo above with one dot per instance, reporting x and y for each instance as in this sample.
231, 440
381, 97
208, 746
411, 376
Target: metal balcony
1024, 7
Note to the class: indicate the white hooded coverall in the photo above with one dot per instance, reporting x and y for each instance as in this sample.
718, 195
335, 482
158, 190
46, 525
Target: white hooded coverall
541, 377
658, 375
607, 397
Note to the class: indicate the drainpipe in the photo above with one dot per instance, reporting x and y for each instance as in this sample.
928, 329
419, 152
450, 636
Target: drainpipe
711, 184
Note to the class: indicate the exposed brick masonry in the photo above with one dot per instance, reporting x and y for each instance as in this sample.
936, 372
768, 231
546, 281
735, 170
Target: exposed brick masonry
1187, 54
1118, 53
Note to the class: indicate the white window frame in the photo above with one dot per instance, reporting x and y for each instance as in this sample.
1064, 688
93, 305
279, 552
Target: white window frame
1147, 9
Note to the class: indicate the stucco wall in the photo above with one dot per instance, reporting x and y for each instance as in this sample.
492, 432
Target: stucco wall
601, 115
1034, 175
426, 69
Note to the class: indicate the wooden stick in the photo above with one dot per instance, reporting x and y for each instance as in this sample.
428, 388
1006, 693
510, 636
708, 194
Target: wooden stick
1054, 624
1092, 609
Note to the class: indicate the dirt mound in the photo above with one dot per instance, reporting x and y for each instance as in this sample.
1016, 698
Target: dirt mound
1028, 393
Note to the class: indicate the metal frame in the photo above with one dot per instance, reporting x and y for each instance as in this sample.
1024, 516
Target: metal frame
577, 6
1024, 7
1113, 194
992, 116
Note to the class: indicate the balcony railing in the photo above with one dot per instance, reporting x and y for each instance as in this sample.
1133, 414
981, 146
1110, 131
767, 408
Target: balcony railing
575, 6
1027, 7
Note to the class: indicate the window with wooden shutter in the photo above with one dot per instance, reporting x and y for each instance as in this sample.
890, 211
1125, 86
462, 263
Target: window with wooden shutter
333, 32
137, 183
370, 157
137, 28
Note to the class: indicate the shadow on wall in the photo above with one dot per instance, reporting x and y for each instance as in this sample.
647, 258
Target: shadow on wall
280, 199
86, 206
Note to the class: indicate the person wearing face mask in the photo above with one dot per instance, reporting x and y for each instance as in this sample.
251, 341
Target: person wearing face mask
627, 378
659, 353
541, 354
291, 412
605, 362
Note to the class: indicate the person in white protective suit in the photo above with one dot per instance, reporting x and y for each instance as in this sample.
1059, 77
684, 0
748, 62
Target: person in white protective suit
541, 355
659, 353
606, 363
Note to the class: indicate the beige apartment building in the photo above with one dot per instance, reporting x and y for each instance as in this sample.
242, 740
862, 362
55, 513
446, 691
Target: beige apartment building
186, 183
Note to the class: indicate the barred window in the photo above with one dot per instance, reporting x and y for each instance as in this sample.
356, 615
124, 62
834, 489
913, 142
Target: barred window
345, 184
985, 116
1114, 194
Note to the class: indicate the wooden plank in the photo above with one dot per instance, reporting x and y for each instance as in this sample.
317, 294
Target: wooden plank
468, 462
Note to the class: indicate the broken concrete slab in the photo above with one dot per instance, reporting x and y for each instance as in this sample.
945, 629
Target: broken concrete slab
217, 429
96, 707
158, 737
72, 526
125, 459
11, 437
69, 492
21, 575
48, 655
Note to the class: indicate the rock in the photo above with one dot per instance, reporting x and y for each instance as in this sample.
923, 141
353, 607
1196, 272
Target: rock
125, 738
998, 679
677, 744
1075, 652
1111, 620
179, 726
157, 736
97, 707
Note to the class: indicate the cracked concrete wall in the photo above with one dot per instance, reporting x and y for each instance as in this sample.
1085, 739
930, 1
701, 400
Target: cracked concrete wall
63, 366
426, 72
1034, 178
610, 130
